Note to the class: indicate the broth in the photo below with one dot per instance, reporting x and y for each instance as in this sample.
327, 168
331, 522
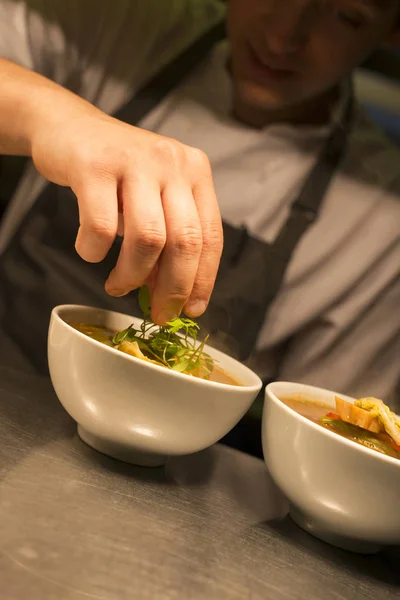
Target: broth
104, 335
307, 408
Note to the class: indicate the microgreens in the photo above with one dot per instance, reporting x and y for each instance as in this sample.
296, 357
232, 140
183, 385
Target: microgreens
174, 344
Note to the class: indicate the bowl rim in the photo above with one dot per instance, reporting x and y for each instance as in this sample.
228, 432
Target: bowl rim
257, 385
270, 395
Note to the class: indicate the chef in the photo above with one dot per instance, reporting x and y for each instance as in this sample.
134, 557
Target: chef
157, 133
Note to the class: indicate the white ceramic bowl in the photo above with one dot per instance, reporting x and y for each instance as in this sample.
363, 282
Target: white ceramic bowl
339, 491
133, 410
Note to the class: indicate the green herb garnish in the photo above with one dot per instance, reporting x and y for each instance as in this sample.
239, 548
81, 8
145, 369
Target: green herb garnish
173, 345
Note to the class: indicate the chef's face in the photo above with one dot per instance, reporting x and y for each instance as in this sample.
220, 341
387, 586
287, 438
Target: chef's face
285, 52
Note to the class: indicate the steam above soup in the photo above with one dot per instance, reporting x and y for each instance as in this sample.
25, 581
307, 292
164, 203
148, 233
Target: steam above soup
368, 421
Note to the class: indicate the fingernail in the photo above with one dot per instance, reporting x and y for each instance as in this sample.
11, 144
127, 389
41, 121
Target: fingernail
164, 316
111, 288
196, 308
168, 314
116, 293
113, 291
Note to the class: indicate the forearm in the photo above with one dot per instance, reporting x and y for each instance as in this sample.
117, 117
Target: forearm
29, 102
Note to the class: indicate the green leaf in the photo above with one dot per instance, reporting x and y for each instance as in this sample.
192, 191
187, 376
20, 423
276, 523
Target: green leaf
143, 345
125, 335
144, 301
173, 350
159, 341
180, 351
181, 366
209, 362
190, 327
175, 325
190, 323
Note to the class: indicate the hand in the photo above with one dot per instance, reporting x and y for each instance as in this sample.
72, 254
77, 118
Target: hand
156, 191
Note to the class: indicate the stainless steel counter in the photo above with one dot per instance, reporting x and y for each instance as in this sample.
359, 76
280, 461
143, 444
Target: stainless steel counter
75, 524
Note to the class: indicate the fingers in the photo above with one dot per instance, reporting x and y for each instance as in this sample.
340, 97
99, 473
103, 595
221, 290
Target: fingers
159, 194
98, 217
179, 261
144, 236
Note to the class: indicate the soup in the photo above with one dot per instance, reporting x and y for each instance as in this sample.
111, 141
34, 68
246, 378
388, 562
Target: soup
110, 338
309, 409
368, 422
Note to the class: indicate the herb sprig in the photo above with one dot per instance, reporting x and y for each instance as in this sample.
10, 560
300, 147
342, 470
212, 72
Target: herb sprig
174, 344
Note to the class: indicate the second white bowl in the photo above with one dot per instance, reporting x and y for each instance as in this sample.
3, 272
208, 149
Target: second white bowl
339, 491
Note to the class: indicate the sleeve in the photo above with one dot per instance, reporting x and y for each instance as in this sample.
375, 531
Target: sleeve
14, 38
119, 38
359, 358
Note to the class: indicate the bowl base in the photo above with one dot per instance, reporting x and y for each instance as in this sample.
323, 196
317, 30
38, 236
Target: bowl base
121, 452
318, 530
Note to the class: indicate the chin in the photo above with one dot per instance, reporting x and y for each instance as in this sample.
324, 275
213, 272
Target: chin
262, 98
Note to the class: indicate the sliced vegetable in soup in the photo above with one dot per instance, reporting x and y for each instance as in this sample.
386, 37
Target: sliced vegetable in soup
368, 421
173, 346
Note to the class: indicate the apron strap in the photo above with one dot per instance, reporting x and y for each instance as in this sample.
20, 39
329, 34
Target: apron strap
252, 271
305, 210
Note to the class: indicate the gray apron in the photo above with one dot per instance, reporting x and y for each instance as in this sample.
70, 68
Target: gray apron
40, 268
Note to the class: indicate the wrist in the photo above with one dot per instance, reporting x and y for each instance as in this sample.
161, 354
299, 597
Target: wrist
50, 110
